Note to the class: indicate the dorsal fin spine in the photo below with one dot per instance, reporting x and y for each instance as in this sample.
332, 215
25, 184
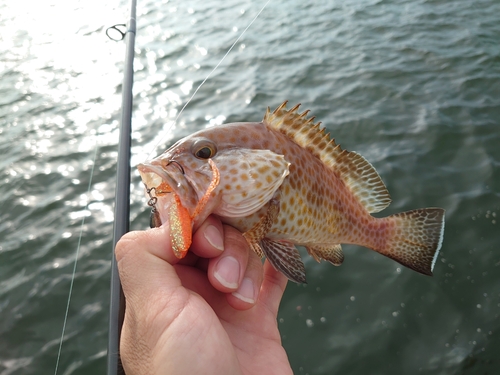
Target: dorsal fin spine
304, 114
357, 173
283, 105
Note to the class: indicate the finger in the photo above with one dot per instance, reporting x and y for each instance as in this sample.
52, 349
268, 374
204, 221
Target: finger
144, 260
272, 289
149, 281
156, 240
247, 293
208, 240
226, 271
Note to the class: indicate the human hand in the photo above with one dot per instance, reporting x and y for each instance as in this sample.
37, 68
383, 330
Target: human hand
213, 312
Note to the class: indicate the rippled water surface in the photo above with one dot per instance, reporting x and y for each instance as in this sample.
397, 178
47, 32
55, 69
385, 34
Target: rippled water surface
413, 85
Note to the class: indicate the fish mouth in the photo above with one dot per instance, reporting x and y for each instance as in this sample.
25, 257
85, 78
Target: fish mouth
155, 177
163, 178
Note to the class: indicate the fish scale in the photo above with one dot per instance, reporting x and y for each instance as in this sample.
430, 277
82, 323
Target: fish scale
285, 182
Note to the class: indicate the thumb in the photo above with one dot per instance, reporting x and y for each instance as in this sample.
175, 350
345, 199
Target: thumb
145, 265
144, 260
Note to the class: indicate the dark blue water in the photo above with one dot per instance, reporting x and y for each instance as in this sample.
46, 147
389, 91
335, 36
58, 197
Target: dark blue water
414, 86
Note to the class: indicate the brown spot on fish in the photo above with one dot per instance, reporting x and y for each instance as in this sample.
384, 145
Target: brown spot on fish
284, 206
264, 169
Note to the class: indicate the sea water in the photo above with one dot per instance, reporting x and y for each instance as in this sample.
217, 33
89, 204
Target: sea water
413, 85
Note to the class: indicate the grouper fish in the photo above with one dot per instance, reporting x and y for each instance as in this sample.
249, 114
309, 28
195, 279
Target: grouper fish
284, 182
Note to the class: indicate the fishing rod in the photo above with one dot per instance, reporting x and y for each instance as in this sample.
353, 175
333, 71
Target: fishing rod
122, 198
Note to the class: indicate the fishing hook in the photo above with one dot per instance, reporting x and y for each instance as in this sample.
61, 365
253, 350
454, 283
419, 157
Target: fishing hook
178, 165
154, 220
152, 200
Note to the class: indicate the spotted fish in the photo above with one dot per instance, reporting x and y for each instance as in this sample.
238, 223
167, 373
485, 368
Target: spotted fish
284, 182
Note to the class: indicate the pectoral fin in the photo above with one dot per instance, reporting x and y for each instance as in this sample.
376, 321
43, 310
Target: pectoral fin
281, 254
259, 231
255, 246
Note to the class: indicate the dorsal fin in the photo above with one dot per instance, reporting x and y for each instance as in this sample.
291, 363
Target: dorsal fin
357, 173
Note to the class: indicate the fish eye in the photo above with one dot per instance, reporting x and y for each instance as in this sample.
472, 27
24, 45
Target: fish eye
204, 149
204, 153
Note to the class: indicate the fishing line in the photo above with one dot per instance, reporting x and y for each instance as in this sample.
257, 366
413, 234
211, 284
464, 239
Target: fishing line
95, 156
213, 70
75, 264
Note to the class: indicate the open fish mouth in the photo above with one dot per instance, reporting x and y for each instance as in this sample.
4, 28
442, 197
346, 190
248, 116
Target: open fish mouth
156, 177
161, 179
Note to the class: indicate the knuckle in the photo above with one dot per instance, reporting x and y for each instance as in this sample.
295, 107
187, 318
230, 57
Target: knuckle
234, 237
127, 243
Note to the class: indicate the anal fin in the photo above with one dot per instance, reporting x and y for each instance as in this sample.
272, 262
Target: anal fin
331, 253
285, 258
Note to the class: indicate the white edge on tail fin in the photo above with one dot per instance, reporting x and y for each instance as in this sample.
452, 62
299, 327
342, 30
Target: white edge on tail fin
436, 254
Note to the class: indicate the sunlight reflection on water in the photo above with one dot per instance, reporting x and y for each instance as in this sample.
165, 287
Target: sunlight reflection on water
413, 87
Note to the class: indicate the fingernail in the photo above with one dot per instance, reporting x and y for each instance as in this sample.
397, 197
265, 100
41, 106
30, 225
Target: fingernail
246, 291
214, 237
227, 271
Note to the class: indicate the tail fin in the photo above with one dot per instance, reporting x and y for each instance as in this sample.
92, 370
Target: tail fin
417, 238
